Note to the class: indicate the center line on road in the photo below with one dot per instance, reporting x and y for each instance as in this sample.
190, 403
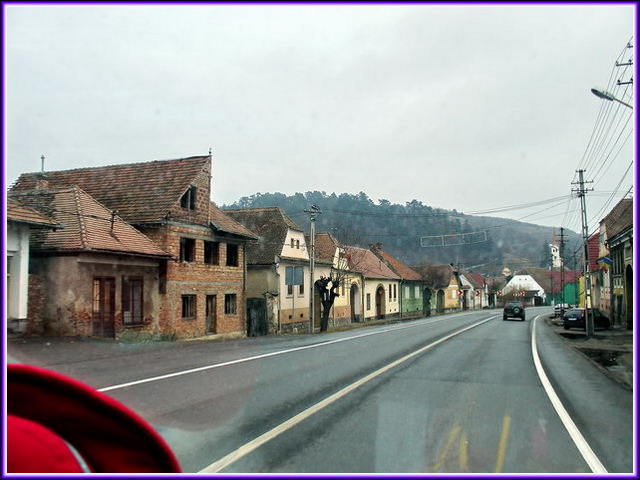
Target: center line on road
581, 443
502, 446
293, 421
265, 355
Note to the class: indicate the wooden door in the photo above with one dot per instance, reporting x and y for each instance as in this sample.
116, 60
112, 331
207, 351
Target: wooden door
104, 307
211, 313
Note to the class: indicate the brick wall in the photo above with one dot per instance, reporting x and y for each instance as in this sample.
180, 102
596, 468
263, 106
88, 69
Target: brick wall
202, 280
199, 215
35, 309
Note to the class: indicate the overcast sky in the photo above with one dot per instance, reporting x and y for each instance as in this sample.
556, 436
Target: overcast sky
465, 107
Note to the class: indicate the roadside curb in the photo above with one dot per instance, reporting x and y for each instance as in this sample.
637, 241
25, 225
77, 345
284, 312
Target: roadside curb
613, 375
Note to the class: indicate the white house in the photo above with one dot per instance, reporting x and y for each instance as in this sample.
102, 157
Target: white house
524, 286
20, 220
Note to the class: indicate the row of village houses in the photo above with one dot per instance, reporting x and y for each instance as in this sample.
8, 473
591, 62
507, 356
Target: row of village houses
139, 250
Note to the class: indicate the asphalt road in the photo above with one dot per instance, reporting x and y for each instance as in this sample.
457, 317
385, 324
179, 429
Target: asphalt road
472, 403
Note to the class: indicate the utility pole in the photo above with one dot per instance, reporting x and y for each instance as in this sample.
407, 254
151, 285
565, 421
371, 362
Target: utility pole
581, 192
561, 270
575, 269
313, 212
551, 270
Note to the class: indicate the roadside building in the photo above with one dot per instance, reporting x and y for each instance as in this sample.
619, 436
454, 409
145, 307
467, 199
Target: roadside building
21, 221
444, 285
347, 307
201, 276
619, 227
412, 286
524, 287
479, 293
604, 269
97, 276
278, 275
380, 283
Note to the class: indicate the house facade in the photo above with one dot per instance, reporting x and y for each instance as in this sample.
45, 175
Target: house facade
278, 271
21, 220
478, 292
347, 306
201, 279
444, 285
381, 284
619, 226
97, 276
414, 297
525, 288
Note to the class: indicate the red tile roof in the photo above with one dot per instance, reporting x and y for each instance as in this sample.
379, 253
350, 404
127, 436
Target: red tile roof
403, 271
476, 279
325, 245
88, 225
594, 252
23, 214
225, 223
365, 262
140, 192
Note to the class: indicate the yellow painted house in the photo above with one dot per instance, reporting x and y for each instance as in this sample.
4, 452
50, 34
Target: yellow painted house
381, 285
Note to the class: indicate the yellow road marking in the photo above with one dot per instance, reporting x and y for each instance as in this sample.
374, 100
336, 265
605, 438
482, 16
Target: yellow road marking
502, 446
464, 453
443, 454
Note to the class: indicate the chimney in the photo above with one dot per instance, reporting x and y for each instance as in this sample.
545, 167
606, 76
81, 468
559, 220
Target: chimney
41, 180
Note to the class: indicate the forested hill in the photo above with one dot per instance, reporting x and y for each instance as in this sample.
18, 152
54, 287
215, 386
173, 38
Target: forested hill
453, 237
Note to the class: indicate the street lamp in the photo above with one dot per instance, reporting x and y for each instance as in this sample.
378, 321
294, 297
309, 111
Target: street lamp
602, 93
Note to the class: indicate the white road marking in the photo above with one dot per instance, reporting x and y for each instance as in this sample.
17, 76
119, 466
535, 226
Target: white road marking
283, 427
585, 450
265, 355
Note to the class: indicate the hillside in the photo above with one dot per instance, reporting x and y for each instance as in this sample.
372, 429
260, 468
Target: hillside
484, 244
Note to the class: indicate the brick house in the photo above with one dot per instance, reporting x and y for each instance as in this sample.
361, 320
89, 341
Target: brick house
278, 276
201, 286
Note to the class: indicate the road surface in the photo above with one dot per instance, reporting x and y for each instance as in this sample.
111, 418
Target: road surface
456, 393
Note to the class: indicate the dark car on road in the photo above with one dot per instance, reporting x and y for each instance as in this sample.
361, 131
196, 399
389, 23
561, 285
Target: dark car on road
574, 318
513, 309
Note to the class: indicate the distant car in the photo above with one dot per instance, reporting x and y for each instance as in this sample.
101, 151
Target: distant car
558, 310
574, 318
513, 309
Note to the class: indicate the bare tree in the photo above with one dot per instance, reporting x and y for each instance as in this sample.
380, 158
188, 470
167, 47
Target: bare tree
341, 273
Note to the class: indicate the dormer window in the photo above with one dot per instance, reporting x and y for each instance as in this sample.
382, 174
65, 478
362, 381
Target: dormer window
188, 200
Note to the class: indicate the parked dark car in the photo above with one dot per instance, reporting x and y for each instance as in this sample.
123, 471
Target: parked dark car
513, 309
574, 318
